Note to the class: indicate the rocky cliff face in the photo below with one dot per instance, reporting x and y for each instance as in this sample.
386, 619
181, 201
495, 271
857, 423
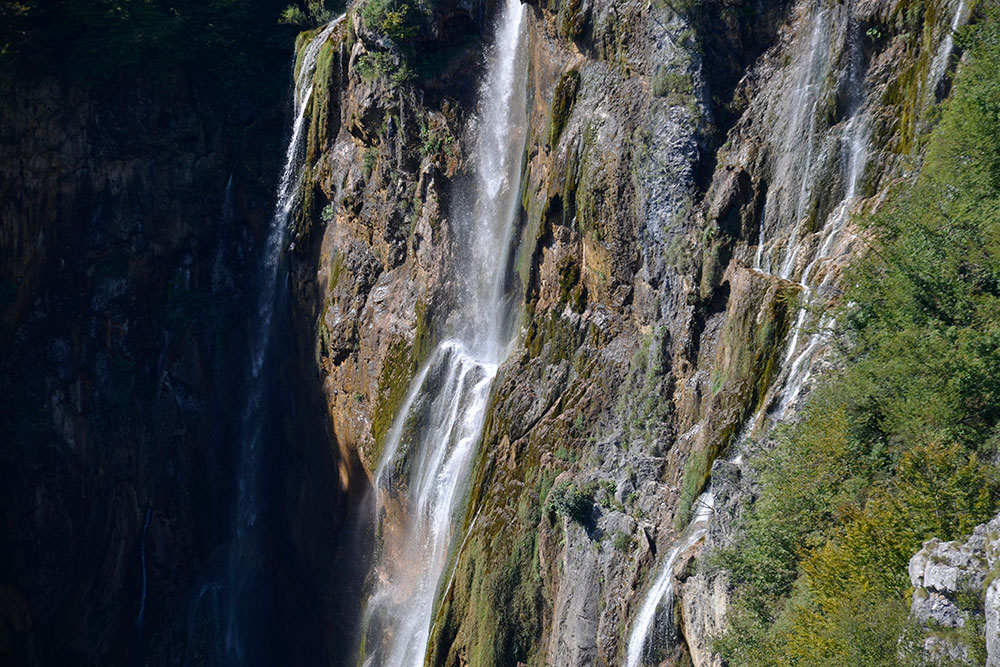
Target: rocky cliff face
956, 597
130, 223
688, 176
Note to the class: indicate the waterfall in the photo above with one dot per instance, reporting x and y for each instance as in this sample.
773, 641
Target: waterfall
661, 593
244, 561
806, 98
787, 202
939, 64
421, 479
854, 152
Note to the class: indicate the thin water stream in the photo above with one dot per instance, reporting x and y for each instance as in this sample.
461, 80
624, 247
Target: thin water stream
660, 598
796, 142
244, 556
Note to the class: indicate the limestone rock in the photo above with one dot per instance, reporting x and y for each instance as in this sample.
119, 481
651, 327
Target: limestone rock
955, 583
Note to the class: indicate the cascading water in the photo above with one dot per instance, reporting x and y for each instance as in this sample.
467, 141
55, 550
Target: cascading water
788, 200
432, 443
939, 64
854, 152
660, 598
790, 192
244, 558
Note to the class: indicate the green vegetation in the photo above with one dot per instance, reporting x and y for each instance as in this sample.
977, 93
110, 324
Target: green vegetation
622, 541
397, 369
676, 86
896, 447
314, 14
497, 599
571, 501
436, 142
562, 103
571, 18
641, 407
382, 65
397, 23
390, 18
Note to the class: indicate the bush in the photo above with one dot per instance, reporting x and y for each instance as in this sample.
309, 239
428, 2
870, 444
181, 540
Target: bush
568, 500
378, 64
293, 15
390, 18
622, 541
314, 14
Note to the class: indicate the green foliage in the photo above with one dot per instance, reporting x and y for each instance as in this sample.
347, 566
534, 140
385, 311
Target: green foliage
369, 159
895, 448
677, 87
293, 15
622, 541
641, 407
697, 469
379, 64
564, 454
390, 18
571, 18
568, 500
313, 15
569, 276
497, 598
397, 23
436, 142
327, 213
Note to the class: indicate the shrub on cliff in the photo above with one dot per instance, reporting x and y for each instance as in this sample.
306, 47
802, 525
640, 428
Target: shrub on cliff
315, 13
568, 500
390, 18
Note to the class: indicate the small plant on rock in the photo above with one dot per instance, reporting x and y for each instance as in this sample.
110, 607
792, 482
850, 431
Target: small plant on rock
570, 501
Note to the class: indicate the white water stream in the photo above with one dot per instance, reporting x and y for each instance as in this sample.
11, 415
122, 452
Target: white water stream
940, 63
422, 480
660, 597
787, 202
243, 555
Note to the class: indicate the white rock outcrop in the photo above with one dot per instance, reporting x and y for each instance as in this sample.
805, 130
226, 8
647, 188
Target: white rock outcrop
946, 576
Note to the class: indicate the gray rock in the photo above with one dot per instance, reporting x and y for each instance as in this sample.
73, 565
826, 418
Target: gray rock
993, 624
941, 572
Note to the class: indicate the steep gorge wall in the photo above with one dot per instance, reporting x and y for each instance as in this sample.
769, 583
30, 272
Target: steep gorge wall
661, 157
131, 217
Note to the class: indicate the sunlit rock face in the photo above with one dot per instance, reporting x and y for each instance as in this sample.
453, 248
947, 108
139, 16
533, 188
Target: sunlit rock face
684, 201
482, 450
954, 588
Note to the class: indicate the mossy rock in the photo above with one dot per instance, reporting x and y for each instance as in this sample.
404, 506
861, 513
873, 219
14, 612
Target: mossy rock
397, 370
571, 18
562, 104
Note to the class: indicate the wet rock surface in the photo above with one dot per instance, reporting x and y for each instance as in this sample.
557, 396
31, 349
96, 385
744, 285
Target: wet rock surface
682, 172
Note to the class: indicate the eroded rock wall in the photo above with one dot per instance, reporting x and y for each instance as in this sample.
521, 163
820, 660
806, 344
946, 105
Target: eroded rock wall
956, 596
682, 171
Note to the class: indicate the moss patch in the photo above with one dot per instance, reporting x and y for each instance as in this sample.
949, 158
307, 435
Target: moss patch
562, 104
